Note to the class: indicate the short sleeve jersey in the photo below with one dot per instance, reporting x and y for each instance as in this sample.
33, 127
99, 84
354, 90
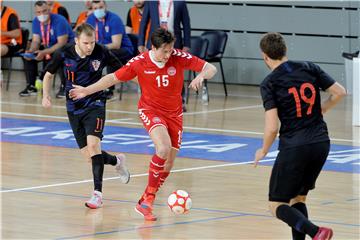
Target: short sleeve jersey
112, 25
160, 86
294, 89
59, 26
83, 72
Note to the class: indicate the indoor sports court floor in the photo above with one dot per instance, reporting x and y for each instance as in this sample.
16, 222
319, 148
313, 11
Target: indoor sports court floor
45, 181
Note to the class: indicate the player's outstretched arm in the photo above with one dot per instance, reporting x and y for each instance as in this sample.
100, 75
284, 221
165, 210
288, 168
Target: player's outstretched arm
337, 92
208, 72
46, 100
105, 82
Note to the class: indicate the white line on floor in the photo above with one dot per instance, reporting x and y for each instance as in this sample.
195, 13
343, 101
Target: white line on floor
118, 121
132, 176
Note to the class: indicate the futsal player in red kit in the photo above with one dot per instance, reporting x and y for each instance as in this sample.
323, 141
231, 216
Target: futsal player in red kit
160, 73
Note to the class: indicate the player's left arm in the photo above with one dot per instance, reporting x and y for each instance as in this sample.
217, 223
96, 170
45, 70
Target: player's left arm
208, 71
270, 132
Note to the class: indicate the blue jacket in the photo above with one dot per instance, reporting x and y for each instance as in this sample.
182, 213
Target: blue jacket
151, 12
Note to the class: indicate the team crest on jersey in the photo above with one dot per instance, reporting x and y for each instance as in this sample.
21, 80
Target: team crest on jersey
171, 71
95, 64
156, 120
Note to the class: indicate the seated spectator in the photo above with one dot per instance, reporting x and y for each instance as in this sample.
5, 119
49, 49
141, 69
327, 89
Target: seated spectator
84, 14
50, 32
11, 38
134, 18
56, 8
110, 31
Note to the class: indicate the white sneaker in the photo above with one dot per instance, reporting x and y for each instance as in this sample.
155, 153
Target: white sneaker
121, 168
95, 200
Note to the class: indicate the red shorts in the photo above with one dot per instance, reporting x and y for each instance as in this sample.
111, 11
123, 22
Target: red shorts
174, 125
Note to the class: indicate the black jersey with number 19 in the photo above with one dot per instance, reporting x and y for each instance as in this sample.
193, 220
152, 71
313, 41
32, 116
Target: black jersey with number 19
294, 89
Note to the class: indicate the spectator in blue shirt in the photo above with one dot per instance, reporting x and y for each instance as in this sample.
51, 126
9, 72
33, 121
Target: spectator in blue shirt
110, 31
49, 33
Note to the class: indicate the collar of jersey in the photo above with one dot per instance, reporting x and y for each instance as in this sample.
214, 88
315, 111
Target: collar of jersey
158, 64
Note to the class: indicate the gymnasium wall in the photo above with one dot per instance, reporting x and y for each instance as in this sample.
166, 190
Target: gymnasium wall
317, 31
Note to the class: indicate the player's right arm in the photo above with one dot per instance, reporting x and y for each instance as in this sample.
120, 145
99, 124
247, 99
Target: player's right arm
105, 82
50, 71
125, 73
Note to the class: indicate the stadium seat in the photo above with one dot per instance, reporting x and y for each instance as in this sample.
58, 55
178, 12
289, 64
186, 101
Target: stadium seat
217, 43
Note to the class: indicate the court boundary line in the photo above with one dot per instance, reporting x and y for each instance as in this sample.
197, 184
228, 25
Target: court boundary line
136, 113
123, 121
132, 176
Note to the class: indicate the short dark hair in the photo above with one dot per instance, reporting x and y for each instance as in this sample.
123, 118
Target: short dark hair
98, 1
85, 28
39, 3
161, 36
273, 45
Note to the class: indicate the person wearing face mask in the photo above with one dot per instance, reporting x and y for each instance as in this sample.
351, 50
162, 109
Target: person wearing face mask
49, 33
110, 31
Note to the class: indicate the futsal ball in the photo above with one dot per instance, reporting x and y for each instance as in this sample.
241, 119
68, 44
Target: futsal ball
179, 202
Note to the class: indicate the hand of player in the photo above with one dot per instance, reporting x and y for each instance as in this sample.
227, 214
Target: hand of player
196, 83
77, 92
260, 154
46, 101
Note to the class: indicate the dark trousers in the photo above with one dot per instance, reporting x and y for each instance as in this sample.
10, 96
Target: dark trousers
31, 71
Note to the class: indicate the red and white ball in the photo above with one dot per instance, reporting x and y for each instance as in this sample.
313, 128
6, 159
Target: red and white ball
179, 202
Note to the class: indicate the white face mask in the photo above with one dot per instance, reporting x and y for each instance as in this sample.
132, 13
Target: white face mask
43, 18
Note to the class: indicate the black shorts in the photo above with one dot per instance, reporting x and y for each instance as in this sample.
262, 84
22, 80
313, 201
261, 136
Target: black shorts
90, 122
296, 169
12, 50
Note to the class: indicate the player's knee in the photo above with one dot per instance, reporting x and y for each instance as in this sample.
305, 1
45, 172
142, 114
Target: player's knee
163, 150
93, 148
273, 206
297, 199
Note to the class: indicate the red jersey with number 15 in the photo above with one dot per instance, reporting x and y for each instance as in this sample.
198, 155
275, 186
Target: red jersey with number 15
161, 86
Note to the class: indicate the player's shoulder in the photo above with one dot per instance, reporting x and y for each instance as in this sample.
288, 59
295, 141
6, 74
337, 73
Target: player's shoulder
139, 59
66, 50
177, 53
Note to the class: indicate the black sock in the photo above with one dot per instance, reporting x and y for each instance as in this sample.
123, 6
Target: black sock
109, 159
301, 207
295, 219
98, 170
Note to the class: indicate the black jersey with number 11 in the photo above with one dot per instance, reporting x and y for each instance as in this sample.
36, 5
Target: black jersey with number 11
294, 89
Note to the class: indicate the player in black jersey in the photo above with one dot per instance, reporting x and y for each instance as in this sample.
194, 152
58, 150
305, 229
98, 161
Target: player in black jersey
291, 94
83, 63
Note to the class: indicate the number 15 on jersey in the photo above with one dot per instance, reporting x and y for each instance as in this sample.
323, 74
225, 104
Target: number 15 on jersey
162, 80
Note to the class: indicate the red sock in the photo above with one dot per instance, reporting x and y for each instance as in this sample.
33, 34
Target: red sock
163, 176
157, 165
